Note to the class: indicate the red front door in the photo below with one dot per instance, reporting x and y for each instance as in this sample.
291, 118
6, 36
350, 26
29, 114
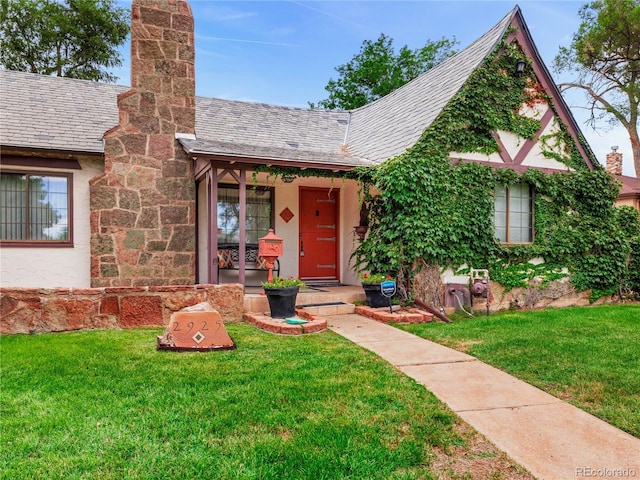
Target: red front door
318, 246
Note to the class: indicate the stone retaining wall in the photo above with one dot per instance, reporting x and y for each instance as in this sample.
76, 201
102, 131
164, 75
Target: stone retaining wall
38, 310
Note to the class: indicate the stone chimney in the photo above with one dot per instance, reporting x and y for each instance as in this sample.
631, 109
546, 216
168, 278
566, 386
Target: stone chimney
143, 205
614, 161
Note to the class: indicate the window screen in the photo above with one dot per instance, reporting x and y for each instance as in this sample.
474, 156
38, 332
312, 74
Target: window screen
258, 216
34, 207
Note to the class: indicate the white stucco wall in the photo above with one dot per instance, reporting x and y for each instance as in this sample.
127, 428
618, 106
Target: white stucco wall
535, 158
56, 267
349, 216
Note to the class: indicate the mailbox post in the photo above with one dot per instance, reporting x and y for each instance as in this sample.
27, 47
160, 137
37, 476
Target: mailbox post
270, 248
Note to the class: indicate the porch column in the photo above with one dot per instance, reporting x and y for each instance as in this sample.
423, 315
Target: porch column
242, 241
212, 220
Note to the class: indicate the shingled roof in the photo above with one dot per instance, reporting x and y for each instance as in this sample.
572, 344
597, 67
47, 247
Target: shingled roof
365, 136
270, 133
630, 187
53, 113
388, 126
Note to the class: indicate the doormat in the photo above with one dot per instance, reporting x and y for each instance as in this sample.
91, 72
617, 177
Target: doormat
322, 283
310, 289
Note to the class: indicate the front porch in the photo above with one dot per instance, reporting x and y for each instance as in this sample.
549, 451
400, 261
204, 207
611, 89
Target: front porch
314, 217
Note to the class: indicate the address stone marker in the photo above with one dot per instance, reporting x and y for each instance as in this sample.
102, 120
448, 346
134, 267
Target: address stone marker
196, 331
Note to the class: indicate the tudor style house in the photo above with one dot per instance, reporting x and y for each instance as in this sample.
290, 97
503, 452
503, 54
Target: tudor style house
108, 186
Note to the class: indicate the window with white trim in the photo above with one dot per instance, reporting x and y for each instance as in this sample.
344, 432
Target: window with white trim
35, 208
513, 214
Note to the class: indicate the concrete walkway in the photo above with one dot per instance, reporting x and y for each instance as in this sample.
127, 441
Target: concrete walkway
549, 437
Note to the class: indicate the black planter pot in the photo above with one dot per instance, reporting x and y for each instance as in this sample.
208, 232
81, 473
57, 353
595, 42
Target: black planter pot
282, 301
375, 299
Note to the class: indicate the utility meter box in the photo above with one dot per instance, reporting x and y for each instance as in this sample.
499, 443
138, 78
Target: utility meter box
456, 295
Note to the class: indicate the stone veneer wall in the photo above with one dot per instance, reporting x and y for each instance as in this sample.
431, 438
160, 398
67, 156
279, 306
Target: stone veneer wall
39, 310
143, 205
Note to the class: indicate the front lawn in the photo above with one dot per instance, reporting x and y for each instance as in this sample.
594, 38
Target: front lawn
588, 356
107, 405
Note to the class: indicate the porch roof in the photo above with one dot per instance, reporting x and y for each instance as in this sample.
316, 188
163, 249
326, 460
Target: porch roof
261, 133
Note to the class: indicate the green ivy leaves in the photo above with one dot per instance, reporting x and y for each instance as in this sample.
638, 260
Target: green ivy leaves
442, 213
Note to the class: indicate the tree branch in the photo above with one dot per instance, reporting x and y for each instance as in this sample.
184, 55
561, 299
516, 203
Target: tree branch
599, 99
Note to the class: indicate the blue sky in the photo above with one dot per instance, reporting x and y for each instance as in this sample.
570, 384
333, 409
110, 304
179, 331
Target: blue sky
284, 52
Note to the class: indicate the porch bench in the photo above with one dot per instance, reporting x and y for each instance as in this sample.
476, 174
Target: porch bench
229, 258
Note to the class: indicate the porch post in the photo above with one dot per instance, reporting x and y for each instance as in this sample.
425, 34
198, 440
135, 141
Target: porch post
212, 218
242, 241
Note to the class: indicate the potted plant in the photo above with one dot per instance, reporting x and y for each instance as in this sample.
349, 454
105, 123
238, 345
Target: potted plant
372, 290
281, 295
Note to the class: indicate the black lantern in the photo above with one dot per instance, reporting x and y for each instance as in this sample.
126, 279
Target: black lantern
520, 67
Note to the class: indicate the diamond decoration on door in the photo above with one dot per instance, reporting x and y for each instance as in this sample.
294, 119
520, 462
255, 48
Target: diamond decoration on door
286, 214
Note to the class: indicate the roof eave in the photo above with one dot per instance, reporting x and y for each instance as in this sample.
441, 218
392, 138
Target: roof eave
242, 160
47, 152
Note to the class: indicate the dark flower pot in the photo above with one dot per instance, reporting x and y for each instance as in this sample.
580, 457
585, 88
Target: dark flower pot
375, 299
282, 301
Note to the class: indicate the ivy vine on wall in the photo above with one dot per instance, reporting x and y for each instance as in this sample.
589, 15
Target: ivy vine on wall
432, 209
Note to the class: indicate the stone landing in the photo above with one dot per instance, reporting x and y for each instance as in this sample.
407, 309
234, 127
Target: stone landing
315, 323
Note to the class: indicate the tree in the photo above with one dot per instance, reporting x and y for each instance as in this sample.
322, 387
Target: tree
605, 55
67, 38
377, 70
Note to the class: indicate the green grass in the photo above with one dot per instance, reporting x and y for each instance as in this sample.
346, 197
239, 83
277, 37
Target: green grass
108, 405
587, 356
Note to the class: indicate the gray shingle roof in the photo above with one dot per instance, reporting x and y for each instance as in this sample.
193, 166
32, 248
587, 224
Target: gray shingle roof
258, 130
57, 113
72, 115
43, 112
387, 127
271, 154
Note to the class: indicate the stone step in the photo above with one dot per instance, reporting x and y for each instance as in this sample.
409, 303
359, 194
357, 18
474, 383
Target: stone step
328, 308
257, 301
